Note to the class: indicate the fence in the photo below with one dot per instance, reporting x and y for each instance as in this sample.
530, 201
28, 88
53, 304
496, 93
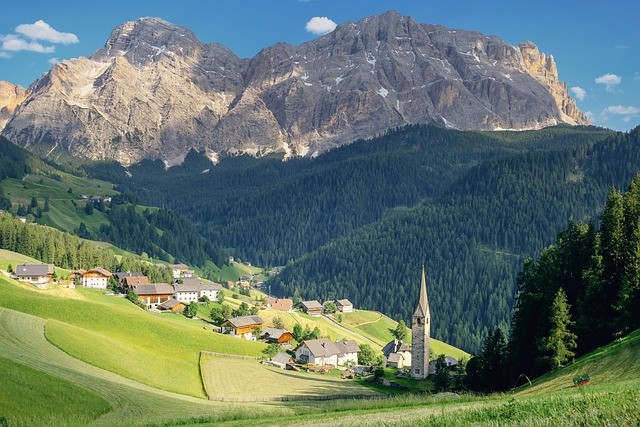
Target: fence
299, 398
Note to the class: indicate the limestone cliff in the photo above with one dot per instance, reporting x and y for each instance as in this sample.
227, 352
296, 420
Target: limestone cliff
10, 97
156, 91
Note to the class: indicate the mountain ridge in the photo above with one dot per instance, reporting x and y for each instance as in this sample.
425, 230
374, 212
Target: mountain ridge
156, 91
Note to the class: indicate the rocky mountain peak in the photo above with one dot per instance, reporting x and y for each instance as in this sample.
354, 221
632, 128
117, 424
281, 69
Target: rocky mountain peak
156, 91
145, 40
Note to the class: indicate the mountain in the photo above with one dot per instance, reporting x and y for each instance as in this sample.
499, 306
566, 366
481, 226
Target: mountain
156, 91
10, 97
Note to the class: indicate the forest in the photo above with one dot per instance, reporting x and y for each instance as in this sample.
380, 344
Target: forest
577, 295
358, 221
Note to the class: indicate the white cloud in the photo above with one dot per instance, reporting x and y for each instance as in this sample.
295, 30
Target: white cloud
590, 116
13, 43
320, 25
579, 93
53, 60
40, 30
629, 112
622, 110
621, 47
609, 80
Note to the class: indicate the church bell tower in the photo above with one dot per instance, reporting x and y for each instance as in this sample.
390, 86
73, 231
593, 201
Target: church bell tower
420, 334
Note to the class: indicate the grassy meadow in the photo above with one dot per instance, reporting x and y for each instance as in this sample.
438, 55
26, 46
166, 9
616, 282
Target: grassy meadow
257, 381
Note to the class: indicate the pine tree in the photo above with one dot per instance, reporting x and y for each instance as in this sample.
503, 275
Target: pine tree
558, 346
441, 379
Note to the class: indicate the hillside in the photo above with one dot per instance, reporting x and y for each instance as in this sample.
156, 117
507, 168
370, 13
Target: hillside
28, 358
358, 220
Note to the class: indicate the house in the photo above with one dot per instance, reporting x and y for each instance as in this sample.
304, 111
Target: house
120, 276
323, 351
154, 294
282, 361
344, 305
397, 354
281, 304
173, 305
36, 274
180, 270
131, 281
242, 326
192, 289
312, 308
97, 278
450, 361
276, 335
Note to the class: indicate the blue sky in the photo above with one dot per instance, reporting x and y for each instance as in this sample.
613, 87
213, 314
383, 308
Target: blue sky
596, 44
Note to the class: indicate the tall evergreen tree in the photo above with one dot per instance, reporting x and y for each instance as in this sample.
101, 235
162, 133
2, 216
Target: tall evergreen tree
557, 347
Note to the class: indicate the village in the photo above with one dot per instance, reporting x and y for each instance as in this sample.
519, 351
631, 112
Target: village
288, 350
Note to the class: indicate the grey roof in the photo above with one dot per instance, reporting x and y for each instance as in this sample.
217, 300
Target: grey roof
153, 289
326, 347
193, 286
311, 304
190, 281
275, 333
26, 270
348, 346
245, 321
395, 346
170, 303
394, 357
344, 303
282, 358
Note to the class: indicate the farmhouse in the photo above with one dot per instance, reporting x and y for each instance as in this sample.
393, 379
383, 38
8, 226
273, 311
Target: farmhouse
276, 335
181, 270
154, 294
131, 281
36, 274
192, 290
96, 278
281, 304
397, 354
326, 352
242, 326
344, 305
120, 276
173, 305
312, 308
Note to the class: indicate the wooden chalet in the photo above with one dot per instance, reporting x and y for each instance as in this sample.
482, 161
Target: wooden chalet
312, 308
154, 294
36, 274
173, 305
282, 361
97, 278
276, 335
242, 326
131, 281
121, 275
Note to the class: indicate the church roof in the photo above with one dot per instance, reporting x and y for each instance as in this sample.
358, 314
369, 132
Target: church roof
422, 309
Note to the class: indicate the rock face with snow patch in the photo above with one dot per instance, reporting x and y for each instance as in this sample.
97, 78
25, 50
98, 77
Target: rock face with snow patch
156, 91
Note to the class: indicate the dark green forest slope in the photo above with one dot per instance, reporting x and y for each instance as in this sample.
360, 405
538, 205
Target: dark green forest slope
357, 221
473, 239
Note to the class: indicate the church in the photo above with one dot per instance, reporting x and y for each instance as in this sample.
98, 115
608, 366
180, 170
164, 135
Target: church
420, 334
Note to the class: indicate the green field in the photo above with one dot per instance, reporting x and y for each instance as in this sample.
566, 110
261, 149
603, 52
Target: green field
114, 334
259, 381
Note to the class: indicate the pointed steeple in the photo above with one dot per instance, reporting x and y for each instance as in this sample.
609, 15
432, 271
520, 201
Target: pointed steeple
422, 309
